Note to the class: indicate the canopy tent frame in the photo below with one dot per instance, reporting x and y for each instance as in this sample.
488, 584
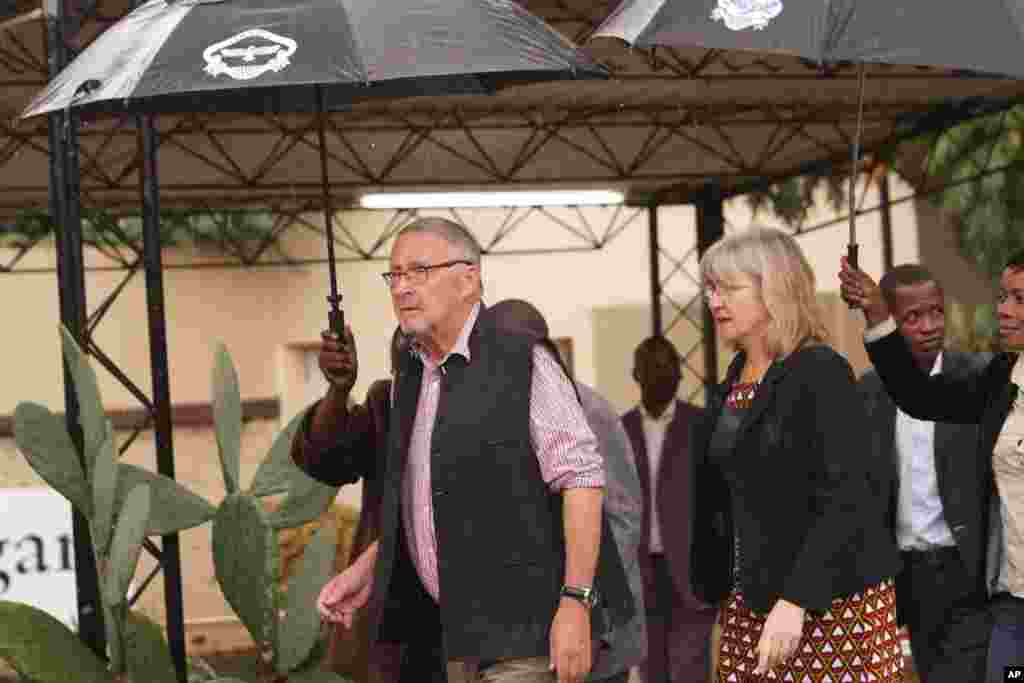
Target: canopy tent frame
111, 175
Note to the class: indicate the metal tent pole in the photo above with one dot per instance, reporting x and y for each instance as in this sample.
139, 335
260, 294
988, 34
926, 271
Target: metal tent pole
710, 229
170, 553
655, 249
65, 210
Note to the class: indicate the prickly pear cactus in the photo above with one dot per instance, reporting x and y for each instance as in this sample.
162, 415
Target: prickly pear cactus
241, 542
286, 626
123, 504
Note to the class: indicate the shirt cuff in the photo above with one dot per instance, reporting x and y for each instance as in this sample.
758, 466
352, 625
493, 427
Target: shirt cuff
882, 329
594, 480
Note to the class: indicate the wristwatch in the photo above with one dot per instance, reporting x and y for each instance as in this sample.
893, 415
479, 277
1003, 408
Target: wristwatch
585, 594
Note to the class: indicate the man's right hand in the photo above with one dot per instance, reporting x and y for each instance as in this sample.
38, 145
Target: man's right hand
350, 590
338, 360
860, 291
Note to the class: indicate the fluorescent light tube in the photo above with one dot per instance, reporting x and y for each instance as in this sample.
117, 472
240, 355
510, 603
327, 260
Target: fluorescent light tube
443, 200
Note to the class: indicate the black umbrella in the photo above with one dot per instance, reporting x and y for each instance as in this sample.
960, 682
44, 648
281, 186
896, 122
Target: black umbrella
982, 35
268, 56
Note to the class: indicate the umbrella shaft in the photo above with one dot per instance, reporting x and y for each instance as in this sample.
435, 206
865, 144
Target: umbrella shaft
855, 158
325, 189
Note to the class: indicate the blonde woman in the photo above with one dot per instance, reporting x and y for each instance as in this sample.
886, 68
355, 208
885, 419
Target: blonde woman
789, 532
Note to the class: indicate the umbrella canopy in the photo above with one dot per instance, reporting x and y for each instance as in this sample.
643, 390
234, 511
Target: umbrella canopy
983, 35
274, 56
308, 55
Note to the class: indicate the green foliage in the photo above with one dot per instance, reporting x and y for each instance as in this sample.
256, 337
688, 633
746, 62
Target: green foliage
239, 232
44, 650
147, 655
307, 499
227, 415
126, 544
988, 202
43, 439
277, 469
173, 507
104, 491
125, 503
90, 403
301, 626
240, 541
792, 199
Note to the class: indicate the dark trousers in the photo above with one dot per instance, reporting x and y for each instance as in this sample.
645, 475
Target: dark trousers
423, 662
423, 657
947, 614
1007, 646
678, 632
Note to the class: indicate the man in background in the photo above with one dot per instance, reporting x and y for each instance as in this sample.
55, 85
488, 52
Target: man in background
939, 496
627, 645
678, 625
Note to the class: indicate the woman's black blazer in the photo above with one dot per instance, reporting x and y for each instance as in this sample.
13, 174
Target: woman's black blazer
810, 500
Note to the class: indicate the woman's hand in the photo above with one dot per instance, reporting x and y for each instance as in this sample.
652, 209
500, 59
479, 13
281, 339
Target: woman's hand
781, 636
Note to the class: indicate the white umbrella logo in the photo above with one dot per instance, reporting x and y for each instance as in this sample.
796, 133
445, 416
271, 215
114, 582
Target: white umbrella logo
249, 54
738, 15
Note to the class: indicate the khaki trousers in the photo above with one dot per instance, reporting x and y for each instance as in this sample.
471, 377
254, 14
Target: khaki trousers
527, 670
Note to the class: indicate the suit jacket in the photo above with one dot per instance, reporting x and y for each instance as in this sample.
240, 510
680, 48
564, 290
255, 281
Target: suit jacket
675, 497
627, 644
812, 519
964, 483
982, 396
349, 650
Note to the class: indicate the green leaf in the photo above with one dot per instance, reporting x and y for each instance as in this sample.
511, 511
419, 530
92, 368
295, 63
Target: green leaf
274, 473
43, 439
227, 415
307, 499
104, 490
172, 507
90, 403
301, 627
240, 539
127, 542
149, 658
44, 650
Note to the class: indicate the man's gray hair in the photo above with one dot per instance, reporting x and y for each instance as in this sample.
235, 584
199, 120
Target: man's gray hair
448, 230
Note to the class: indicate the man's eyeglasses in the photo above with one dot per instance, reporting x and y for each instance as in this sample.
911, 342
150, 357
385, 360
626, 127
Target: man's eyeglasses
417, 275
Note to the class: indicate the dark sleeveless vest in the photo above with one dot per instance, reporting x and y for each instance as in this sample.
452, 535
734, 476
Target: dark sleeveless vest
500, 533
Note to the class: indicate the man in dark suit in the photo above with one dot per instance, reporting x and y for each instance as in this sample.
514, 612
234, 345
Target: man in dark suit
939, 496
678, 625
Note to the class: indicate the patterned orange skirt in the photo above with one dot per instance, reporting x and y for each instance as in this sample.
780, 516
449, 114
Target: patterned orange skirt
856, 641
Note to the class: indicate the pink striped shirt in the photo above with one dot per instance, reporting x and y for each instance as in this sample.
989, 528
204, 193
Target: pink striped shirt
565, 446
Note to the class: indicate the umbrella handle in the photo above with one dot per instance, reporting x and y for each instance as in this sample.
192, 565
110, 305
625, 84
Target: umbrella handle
336, 321
851, 257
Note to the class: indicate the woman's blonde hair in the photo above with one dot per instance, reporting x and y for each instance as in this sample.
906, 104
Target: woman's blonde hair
785, 281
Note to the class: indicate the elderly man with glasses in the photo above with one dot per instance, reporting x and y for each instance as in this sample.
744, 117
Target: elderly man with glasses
492, 537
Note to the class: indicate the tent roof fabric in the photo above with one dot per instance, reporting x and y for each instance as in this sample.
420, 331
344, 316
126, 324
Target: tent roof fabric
665, 123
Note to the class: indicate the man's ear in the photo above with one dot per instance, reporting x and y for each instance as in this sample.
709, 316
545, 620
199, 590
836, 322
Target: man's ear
471, 275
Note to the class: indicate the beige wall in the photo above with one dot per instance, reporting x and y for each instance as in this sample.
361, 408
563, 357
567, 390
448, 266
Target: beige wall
599, 299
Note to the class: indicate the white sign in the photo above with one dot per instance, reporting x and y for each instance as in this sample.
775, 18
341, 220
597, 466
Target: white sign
37, 563
742, 14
